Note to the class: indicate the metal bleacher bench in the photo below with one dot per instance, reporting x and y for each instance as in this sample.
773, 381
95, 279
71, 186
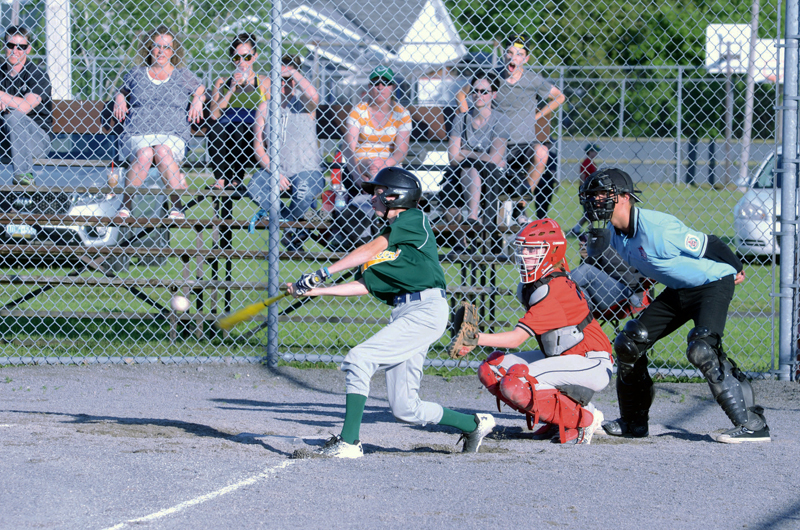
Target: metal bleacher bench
85, 137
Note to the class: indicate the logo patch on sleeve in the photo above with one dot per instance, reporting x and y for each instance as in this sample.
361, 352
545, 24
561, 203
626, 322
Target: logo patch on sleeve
692, 242
382, 257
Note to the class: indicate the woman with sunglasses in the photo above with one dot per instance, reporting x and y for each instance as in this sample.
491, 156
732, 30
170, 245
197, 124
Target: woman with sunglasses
300, 160
157, 128
233, 113
476, 151
378, 131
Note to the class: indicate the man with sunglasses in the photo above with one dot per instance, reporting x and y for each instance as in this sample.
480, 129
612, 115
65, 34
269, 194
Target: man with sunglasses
25, 106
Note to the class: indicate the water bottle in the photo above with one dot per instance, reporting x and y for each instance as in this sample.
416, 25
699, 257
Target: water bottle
339, 203
113, 176
336, 182
508, 213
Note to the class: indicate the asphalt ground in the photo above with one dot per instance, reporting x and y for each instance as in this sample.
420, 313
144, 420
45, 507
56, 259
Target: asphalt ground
153, 446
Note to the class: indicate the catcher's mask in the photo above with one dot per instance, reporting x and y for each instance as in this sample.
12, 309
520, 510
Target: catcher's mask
538, 248
401, 184
600, 191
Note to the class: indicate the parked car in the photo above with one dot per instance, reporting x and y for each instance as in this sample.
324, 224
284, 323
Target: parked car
754, 216
78, 204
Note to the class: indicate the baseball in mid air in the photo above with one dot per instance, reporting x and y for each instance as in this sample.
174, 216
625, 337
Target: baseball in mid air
179, 303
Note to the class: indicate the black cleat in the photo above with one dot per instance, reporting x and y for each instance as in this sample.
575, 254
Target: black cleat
629, 429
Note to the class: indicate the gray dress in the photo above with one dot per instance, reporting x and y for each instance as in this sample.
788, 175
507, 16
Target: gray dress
158, 108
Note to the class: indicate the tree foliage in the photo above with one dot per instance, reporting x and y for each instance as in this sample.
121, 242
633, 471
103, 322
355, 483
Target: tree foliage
597, 45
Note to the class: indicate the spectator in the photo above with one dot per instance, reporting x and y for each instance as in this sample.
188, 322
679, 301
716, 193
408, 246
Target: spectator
25, 104
233, 105
518, 98
587, 167
300, 160
587, 164
607, 280
157, 128
476, 151
378, 131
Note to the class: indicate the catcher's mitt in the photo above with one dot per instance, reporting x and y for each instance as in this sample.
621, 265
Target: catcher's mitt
465, 331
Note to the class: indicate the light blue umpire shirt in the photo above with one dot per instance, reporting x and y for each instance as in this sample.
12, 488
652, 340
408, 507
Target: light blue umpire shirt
668, 251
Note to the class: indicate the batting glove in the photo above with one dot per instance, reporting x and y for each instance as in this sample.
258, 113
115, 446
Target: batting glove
308, 281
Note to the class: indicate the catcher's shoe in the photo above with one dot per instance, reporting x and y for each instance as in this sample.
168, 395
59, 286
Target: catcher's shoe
474, 439
629, 429
338, 448
582, 435
741, 434
546, 432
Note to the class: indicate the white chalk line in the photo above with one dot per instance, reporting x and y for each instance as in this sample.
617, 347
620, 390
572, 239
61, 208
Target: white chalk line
203, 498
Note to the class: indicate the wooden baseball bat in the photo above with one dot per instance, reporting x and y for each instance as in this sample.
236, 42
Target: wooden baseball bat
248, 312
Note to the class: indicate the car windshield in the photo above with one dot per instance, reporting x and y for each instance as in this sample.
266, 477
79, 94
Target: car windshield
764, 180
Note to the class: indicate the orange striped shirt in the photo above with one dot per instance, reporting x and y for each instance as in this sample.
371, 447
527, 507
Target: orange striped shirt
374, 142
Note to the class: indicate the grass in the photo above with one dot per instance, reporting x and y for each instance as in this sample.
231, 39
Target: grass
748, 336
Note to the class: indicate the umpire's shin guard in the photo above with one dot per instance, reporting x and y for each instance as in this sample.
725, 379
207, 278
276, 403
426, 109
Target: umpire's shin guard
635, 392
728, 384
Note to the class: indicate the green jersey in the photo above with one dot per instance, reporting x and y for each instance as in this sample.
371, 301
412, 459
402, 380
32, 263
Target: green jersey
409, 264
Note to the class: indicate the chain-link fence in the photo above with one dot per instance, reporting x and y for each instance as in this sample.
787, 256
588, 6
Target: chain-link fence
141, 140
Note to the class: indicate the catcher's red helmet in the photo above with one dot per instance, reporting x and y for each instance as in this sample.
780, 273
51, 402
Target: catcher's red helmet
538, 248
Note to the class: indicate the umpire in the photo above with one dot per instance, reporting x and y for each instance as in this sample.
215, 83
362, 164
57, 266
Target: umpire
699, 272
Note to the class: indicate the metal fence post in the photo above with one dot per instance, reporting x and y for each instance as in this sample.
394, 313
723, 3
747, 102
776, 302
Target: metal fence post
622, 109
788, 217
679, 129
559, 143
274, 169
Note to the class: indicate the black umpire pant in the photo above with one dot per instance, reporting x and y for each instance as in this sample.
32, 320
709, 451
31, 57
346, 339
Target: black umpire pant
706, 305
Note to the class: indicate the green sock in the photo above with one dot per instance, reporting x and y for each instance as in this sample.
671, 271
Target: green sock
465, 422
353, 412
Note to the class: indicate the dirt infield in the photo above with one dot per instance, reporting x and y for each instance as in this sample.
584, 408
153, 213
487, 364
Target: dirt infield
207, 447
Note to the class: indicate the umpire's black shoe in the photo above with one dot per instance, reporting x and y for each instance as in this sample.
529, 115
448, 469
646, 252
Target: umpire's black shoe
741, 434
630, 429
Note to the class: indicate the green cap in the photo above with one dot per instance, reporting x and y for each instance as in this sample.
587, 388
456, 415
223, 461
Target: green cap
383, 72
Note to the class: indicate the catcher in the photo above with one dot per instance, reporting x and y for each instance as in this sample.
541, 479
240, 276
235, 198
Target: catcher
555, 383
400, 267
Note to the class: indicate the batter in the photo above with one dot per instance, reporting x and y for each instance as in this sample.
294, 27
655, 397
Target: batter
400, 267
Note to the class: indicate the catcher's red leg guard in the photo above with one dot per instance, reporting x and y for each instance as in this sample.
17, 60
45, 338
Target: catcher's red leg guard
488, 374
549, 406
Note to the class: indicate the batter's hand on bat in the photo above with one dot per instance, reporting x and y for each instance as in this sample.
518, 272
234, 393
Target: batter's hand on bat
739, 278
306, 282
290, 288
